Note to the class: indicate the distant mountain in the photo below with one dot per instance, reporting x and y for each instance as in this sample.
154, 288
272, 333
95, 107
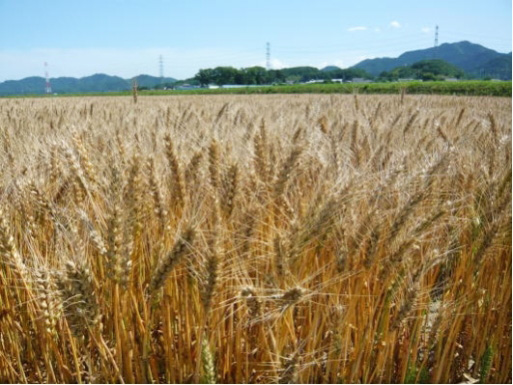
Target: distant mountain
474, 59
500, 67
65, 85
149, 81
330, 68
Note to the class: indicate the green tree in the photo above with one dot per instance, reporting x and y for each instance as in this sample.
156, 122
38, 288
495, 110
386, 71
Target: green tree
437, 67
255, 75
224, 75
205, 76
276, 76
428, 76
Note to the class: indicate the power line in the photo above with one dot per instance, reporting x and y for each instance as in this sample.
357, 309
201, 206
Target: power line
375, 40
477, 35
421, 39
387, 49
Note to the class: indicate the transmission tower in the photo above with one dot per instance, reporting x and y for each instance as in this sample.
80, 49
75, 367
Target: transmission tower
48, 88
161, 69
268, 55
436, 43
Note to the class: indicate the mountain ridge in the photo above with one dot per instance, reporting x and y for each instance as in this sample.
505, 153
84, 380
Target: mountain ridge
93, 83
474, 59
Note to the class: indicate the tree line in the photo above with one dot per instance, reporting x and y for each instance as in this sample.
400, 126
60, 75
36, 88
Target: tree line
425, 70
259, 75
434, 69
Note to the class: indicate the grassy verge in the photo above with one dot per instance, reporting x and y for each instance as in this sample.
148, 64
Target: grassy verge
468, 88
474, 88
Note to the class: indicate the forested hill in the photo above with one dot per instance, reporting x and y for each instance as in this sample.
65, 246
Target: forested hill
472, 58
93, 83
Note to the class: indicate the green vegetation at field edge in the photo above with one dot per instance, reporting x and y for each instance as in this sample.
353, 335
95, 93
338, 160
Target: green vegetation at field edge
467, 88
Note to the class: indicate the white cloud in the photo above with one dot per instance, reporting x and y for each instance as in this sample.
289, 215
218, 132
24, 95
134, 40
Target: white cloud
276, 64
425, 30
359, 28
395, 24
377, 29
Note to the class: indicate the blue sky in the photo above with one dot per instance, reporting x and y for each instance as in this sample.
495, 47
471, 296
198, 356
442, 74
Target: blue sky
126, 37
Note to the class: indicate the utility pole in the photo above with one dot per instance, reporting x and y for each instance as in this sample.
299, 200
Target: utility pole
436, 42
268, 55
48, 88
161, 69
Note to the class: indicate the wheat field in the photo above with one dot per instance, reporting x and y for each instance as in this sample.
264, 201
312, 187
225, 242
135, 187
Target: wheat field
255, 239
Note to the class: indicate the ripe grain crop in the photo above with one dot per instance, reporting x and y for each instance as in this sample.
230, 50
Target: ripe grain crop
255, 239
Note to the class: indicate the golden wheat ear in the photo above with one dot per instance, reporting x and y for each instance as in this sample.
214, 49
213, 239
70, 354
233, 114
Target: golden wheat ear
171, 259
256, 239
